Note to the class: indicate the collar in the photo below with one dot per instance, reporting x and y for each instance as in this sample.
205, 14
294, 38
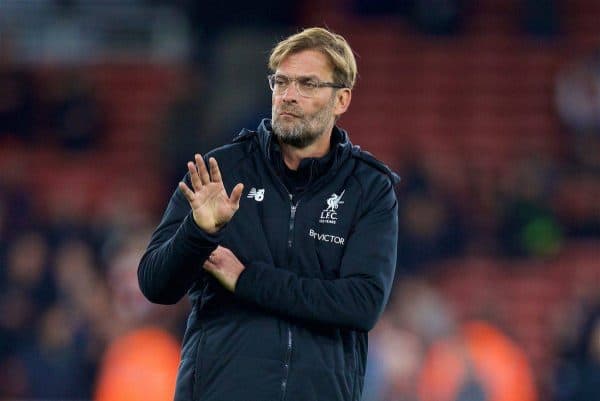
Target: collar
309, 169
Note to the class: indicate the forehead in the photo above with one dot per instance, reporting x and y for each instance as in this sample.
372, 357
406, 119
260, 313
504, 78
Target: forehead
306, 63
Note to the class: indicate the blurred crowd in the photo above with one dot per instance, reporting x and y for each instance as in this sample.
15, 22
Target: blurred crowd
69, 300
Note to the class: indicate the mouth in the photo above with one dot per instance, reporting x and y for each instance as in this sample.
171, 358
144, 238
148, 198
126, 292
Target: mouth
288, 114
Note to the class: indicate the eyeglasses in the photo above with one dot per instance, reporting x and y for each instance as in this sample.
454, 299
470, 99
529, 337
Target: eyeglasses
306, 87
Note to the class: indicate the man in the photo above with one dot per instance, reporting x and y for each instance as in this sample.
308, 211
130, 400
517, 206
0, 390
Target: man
286, 277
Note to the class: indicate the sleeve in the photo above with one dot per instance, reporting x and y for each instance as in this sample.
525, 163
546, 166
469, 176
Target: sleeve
178, 248
357, 298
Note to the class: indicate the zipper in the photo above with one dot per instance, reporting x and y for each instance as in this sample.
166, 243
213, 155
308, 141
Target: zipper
290, 340
290, 245
290, 241
286, 364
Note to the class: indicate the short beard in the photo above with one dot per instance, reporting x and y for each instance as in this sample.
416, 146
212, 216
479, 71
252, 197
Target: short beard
298, 136
302, 135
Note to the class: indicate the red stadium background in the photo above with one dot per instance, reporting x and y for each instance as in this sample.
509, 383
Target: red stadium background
487, 109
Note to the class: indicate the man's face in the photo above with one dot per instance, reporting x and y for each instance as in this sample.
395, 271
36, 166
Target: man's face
297, 120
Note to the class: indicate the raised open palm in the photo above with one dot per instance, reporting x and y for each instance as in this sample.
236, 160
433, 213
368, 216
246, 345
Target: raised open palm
211, 206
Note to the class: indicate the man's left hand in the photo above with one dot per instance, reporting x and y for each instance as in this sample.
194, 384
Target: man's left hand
225, 267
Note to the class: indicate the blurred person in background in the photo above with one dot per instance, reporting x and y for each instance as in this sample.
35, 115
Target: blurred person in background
577, 373
141, 355
140, 365
286, 278
477, 362
18, 97
528, 224
74, 118
577, 100
220, 92
27, 290
394, 362
431, 226
426, 353
55, 362
430, 231
183, 122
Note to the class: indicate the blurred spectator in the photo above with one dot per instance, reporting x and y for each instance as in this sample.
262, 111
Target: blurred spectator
429, 232
74, 118
237, 93
577, 95
139, 366
84, 294
396, 360
430, 227
26, 288
18, 95
417, 307
577, 100
427, 355
27, 267
529, 226
183, 128
477, 363
214, 103
577, 376
415, 317
15, 206
54, 362
230, 59
128, 308
577, 204
140, 362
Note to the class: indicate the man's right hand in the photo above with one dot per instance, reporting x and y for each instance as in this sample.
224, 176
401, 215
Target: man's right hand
211, 207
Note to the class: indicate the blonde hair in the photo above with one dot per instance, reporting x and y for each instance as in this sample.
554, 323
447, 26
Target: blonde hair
332, 45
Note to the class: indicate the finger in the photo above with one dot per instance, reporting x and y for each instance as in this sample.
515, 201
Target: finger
202, 172
221, 250
209, 266
196, 183
236, 195
187, 192
215, 173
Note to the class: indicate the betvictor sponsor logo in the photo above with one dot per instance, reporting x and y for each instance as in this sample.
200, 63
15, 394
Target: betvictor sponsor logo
326, 237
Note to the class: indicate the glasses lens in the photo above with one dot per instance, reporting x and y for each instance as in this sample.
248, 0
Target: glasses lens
305, 87
279, 83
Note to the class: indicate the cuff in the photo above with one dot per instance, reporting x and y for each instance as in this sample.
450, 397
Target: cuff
194, 236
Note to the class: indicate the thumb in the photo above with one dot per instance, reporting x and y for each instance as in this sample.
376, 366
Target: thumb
236, 195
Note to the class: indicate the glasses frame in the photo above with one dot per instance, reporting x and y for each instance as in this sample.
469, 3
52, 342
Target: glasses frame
295, 81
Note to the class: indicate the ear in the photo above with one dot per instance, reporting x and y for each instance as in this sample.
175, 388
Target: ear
342, 101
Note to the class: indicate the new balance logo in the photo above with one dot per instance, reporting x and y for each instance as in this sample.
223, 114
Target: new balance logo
256, 194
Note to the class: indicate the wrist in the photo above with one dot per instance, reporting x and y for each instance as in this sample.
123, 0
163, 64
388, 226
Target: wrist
207, 228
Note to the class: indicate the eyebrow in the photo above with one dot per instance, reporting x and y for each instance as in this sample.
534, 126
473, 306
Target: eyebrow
300, 76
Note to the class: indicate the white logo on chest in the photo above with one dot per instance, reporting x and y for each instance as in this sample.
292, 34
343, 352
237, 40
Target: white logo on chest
326, 237
329, 214
257, 194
